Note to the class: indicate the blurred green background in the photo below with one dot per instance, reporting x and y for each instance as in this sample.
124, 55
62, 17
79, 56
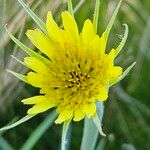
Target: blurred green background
126, 119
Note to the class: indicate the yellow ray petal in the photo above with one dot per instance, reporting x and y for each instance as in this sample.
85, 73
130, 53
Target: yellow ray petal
89, 109
39, 108
36, 65
41, 41
103, 42
103, 94
116, 71
78, 114
63, 116
87, 33
70, 25
34, 100
53, 30
37, 80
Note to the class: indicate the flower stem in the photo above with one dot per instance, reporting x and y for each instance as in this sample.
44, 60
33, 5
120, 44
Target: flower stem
64, 134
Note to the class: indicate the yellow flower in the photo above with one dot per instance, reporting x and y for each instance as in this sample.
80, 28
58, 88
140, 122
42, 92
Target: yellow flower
75, 73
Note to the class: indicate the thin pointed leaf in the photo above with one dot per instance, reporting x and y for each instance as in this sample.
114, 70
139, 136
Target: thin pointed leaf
96, 14
21, 62
97, 122
38, 21
125, 73
122, 43
24, 119
27, 50
110, 24
39, 131
90, 133
70, 8
64, 134
18, 75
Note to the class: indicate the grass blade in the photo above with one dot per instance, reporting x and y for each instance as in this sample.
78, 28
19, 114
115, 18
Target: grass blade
4, 145
39, 131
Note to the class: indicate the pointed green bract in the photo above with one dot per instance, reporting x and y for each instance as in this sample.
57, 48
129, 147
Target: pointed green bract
96, 14
125, 73
24, 119
98, 124
38, 21
70, 8
18, 60
122, 43
110, 24
64, 134
18, 75
27, 50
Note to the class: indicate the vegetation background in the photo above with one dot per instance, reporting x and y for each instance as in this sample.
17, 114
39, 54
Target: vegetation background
127, 115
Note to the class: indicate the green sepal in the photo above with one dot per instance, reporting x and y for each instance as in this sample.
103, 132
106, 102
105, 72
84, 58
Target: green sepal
70, 7
125, 73
98, 124
37, 20
21, 62
112, 20
18, 75
96, 14
122, 43
24, 119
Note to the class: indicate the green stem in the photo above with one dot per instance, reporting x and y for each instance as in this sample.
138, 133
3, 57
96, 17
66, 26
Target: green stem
64, 135
90, 133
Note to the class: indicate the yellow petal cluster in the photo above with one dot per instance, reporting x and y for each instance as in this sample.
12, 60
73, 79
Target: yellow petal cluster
77, 73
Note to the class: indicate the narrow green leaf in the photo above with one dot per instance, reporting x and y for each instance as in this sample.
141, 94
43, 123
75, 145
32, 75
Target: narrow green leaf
96, 14
70, 8
38, 21
90, 132
110, 24
18, 60
27, 50
24, 119
125, 73
122, 43
97, 122
64, 134
39, 131
18, 75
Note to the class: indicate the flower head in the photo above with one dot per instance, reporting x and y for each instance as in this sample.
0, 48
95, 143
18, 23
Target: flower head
76, 71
